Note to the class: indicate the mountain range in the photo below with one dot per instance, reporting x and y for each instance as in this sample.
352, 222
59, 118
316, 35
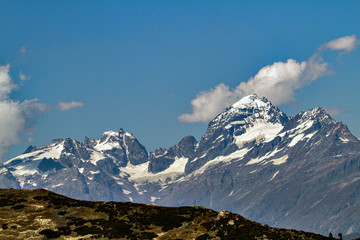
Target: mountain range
298, 172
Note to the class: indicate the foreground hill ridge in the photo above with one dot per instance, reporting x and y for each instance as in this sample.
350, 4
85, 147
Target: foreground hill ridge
41, 214
298, 172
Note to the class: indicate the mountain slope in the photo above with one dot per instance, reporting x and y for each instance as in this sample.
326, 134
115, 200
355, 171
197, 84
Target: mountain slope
297, 172
38, 213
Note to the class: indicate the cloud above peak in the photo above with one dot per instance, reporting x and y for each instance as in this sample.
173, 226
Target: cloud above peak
208, 104
346, 43
278, 82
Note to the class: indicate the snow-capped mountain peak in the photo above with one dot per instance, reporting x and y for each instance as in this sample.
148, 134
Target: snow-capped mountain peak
246, 111
246, 122
251, 101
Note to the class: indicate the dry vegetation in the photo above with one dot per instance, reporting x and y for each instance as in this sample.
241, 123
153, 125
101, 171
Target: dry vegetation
41, 214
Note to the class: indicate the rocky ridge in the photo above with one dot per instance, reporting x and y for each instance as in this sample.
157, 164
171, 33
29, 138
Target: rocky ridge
40, 214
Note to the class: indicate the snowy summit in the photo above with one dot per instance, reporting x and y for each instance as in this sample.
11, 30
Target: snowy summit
251, 100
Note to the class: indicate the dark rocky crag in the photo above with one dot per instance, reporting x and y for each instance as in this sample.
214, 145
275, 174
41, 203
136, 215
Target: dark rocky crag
41, 214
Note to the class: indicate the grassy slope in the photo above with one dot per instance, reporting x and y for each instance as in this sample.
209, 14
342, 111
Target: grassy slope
41, 214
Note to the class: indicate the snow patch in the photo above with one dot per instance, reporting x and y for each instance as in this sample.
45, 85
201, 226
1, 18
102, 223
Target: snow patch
96, 156
350, 230
177, 167
136, 171
140, 172
304, 126
153, 199
260, 159
310, 135
120, 183
238, 155
111, 133
219, 138
355, 179
279, 161
53, 151
57, 185
129, 135
127, 192
296, 139
274, 175
106, 146
260, 131
316, 203
22, 171
26, 169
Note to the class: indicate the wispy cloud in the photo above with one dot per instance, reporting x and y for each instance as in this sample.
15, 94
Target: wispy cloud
23, 50
18, 118
334, 111
278, 82
346, 43
65, 106
23, 77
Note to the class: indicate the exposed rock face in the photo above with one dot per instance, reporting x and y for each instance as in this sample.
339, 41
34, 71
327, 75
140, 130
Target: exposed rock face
301, 172
31, 148
161, 159
40, 214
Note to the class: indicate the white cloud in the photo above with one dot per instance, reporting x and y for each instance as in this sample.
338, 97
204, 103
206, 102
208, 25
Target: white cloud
64, 106
277, 82
17, 118
12, 124
6, 84
347, 43
208, 104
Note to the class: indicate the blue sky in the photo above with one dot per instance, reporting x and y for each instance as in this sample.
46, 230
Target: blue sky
95, 66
